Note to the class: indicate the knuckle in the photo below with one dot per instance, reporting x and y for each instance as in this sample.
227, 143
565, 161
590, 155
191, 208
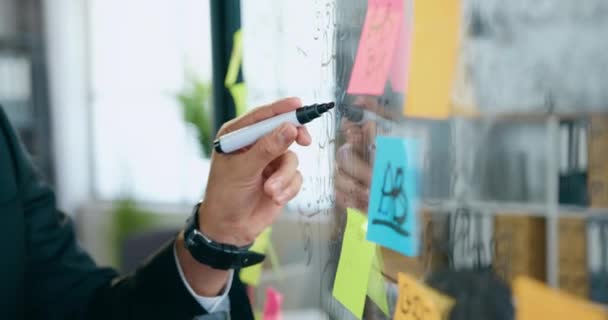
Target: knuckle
225, 128
267, 148
297, 185
291, 156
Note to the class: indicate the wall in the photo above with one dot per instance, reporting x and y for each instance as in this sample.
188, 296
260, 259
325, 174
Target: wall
526, 54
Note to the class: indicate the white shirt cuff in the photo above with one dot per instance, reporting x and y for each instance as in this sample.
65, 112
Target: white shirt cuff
219, 303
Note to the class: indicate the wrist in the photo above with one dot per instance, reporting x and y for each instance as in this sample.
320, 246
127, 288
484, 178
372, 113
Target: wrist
218, 248
220, 232
204, 280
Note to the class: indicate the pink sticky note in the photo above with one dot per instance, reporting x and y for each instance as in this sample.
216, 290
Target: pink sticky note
376, 47
272, 307
401, 59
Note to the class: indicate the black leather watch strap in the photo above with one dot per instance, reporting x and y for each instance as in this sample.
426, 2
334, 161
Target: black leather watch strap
216, 255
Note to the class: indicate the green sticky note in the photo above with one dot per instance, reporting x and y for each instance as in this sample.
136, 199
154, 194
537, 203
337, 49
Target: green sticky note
274, 261
236, 58
350, 285
251, 275
376, 288
238, 92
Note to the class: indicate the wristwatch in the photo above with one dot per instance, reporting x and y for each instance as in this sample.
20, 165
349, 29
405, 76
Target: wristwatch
214, 254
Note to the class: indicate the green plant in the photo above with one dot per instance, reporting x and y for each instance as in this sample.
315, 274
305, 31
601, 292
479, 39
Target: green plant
195, 100
128, 219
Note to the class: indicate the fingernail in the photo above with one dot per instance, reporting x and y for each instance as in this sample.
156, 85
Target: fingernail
282, 198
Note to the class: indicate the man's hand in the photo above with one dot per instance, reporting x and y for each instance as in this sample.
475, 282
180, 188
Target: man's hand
354, 159
353, 165
247, 190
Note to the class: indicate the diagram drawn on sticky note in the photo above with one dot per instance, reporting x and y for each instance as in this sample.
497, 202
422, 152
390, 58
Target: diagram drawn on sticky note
393, 221
419, 302
377, 44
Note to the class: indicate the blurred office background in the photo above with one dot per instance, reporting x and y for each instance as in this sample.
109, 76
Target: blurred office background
92, 87
98, 90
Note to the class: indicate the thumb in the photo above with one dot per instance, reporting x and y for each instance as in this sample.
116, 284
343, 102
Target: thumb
271, 146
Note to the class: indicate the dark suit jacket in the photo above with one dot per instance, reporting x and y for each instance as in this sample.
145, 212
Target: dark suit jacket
45, 275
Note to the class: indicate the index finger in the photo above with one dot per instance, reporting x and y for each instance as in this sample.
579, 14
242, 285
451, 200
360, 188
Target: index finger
262, 113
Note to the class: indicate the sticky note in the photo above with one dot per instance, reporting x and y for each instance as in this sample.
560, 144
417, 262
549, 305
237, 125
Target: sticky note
419, 302
399, 67
434, 50
274, 261
236, 58
350, 285
534, 300
377, 44
251, 275
272, 306
238, 91
393, 204
376, 287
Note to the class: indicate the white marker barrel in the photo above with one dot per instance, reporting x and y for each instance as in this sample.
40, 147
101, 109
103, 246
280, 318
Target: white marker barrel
249, 135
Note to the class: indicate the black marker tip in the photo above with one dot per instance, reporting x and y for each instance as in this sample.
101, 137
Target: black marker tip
327, 106
309, 113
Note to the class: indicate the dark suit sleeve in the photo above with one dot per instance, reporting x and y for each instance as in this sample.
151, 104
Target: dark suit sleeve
63, 282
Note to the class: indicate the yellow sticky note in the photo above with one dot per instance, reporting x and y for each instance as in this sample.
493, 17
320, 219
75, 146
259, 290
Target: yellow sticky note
435, 41
251, 275
274, 260
419, 302
376, 287
236, 57
534, 300
238, 92
350, 285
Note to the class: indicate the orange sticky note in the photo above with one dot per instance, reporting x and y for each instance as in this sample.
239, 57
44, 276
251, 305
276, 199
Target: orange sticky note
534, 300
420, 302
376, 47
435, 42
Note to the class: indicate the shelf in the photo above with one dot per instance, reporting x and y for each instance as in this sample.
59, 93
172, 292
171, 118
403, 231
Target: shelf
533, 116
486, 207
493, 208
582, 212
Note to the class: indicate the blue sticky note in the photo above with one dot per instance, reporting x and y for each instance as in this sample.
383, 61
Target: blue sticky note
393, 205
